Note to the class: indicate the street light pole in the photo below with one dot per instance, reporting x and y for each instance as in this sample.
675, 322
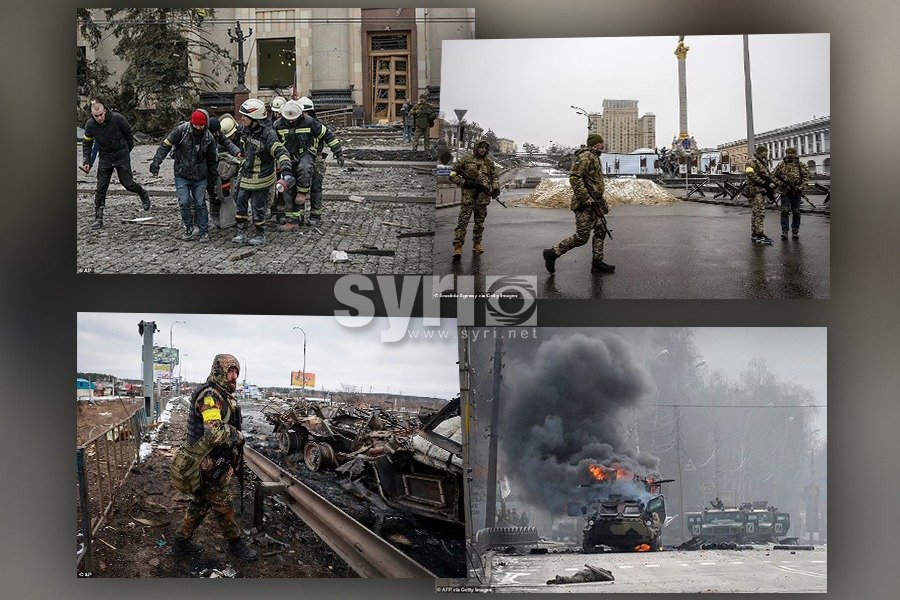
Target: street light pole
581, 111
303, 373
172, 346
244, 369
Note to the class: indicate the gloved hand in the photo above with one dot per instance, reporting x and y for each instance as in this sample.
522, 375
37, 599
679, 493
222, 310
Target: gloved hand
340, 159
605, 208
154, 168
472, 185
495, 193
288, 178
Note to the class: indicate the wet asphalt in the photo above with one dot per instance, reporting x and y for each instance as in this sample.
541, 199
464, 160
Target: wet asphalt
685, 250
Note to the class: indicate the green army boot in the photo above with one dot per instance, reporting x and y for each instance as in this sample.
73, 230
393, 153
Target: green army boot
183, 545
457, 250
478, 247
239, 548
550, 259
598, 266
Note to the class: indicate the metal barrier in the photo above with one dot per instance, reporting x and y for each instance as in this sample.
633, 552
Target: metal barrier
102, 465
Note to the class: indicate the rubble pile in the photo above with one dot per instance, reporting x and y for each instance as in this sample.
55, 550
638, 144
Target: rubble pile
556, 193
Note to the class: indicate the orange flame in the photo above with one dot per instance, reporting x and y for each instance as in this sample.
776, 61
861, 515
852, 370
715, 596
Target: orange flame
642, 548
610, 473
598, 472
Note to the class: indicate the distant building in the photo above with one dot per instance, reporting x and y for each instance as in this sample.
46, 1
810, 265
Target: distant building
505, 146
621, 128
370, 59
812, 139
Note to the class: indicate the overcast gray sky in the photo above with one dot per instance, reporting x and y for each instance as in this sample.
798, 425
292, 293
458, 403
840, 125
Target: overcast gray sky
269, 349
522, 89
797, 354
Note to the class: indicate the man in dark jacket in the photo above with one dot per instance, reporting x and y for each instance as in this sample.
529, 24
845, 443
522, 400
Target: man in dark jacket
195, 153
214, 420
112, 133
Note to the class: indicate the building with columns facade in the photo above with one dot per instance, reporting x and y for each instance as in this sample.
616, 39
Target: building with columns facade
812, 139
371, 59
621, 128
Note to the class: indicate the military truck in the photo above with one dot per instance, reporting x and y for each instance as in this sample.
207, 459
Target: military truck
624, 512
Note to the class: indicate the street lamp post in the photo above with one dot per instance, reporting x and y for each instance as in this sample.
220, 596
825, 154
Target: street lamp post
171, 346
244, 369
303, 373
460, 113
581, 111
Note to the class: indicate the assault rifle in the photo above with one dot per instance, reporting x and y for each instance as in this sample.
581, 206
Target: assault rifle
597, 207
240, 454
483, 189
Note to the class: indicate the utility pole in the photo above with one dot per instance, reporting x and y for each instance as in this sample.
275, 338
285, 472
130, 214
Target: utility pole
147, 329
464, 409
718, 472
748, 98
491, 513
677, 414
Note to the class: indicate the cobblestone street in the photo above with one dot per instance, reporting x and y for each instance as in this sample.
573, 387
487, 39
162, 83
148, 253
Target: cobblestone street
155, 247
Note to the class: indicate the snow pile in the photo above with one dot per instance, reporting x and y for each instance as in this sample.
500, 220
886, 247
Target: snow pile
556, 193
164, 417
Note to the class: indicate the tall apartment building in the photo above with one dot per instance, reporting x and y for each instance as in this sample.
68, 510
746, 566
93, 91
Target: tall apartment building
369, 58
622, 129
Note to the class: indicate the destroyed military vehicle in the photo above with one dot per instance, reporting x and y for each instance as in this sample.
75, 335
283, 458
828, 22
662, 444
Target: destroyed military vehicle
753, 522
624, 512
381, 457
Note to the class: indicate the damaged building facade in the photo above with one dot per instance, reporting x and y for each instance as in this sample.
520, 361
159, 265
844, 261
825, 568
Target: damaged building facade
368, 60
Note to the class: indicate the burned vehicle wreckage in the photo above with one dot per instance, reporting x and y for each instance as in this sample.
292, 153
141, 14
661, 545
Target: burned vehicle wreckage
623, 511
405, 463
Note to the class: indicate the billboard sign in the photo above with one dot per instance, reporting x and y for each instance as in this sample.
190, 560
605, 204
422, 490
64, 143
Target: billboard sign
297, 379
164, 354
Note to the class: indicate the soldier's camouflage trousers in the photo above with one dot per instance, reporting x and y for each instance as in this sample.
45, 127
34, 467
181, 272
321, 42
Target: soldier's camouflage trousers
757, 213
419, 134
790, 204
586, 221
465, 213
215, 495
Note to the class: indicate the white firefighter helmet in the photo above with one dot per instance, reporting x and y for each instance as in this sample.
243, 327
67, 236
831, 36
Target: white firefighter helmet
277, 103
227, 125
306, 104
254, 108
291, 110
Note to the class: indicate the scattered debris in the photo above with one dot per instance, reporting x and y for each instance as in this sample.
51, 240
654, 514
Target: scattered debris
339, 256
371, 252
792, 547
241, 254
556, 193
692, 544
151, 523
107, 543
317, 230
588, 573
145, 221
355, 198
412, 234
228, 573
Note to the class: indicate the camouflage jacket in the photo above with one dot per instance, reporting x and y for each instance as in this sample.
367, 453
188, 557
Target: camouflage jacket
473, 171
758, 175
262, 149
423, 114
790, 176
586, 172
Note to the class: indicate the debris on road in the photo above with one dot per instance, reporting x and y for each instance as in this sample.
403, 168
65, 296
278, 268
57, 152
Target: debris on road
240, 255
339, 256
587, 574
371, 252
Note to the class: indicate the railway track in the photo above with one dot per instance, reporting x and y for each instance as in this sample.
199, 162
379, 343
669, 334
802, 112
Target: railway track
365, 552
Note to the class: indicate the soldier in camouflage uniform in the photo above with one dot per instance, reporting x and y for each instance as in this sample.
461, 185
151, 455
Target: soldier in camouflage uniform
423, 115
214, 419
790, 177
759, 180
586, 179
477, 175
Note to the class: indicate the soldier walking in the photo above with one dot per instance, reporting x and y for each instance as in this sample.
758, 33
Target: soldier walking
759, 186
790, 177
589, 206
423, 115
214, 420
477, 175
194, 151
115, 140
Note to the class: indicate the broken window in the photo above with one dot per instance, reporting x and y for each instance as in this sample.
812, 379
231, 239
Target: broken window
277, 60
389, 42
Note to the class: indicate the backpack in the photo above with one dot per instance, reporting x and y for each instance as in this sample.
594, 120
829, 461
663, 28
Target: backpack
185, 467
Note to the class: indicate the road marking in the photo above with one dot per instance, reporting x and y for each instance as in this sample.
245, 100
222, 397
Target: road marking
737, 562
651, 566
787, 562
821, 562
572, 569
799, 572
707, 563
684, 564
626, 566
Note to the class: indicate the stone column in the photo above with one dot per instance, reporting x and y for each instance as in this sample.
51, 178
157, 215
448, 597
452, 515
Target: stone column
681, 52
330, 52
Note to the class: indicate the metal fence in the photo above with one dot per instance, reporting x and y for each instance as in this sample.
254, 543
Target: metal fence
102, 466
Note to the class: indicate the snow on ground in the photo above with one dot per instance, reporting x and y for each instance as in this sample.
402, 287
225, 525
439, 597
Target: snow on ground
174, 404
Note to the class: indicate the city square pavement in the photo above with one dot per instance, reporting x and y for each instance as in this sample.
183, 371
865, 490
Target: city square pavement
686, 250
370, 225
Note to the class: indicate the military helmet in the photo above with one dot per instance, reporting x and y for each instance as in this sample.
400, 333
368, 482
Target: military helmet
291, 110
254, 108
762, 148
278, 103
594, 138
227, 125
306, 104
791, 150
482, 142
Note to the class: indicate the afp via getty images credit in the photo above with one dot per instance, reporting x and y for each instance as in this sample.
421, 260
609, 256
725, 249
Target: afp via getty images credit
223, 446
675, 171
645, 460
297, 141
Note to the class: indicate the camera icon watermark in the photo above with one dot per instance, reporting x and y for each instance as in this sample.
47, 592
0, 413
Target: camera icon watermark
511, 300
